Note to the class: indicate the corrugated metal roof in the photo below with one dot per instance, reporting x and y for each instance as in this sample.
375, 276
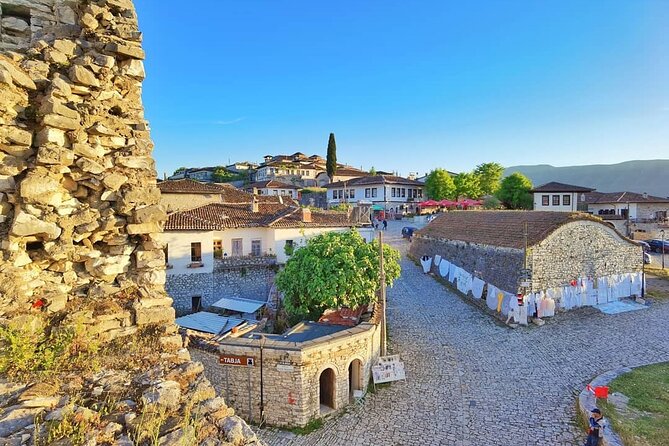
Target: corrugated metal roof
238, 305
208, 322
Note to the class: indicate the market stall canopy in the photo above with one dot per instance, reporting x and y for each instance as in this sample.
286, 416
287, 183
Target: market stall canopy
447, 203
377, 207
428, 203
238, 305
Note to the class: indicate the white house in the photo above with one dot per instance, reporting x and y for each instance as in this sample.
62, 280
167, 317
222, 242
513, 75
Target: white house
272, 187
227, 250
390, 193
560, 197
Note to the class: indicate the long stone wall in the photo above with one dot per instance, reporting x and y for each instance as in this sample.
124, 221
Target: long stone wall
496, 265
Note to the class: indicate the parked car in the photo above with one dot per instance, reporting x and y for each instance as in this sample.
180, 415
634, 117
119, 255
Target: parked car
656, 245
407, 232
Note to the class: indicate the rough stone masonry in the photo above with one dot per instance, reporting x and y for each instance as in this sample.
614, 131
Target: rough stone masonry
79, 213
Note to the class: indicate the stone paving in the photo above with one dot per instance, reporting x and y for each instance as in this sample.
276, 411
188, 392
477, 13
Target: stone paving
471, 381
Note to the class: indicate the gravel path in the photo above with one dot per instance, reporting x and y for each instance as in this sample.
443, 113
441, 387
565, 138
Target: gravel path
471, 381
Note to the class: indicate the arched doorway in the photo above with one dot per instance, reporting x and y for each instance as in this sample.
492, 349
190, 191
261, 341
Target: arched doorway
327, 390
354, 379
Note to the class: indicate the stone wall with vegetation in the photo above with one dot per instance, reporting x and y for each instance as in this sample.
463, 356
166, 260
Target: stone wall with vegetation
584, 249
497, 265
84, 317
291, 373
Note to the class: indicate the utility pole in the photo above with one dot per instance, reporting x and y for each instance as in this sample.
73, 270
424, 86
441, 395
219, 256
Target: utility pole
662, 232
382, 277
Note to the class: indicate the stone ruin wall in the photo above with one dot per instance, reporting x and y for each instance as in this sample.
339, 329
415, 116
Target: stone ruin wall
79, 213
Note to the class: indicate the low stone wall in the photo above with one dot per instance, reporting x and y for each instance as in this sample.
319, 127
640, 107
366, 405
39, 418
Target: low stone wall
227, 263
587, 402
249, 282
496, 265
291, 373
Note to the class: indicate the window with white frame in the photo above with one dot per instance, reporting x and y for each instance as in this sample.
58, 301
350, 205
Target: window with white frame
373, 192
368, 192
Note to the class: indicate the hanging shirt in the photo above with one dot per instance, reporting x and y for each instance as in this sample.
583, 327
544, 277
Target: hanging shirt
522, 315
506, 303
437, 259
427, 263
464, 281
549, 307
477, 287
451, 272
443, 268
491, 298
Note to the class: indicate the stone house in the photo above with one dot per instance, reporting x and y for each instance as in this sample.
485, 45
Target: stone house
273, 187
392, 193
301, 170
231, 250
639, 215
560, 247
556, 196
312, 370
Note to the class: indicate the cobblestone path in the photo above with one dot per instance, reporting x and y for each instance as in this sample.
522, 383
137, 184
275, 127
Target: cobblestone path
472, 382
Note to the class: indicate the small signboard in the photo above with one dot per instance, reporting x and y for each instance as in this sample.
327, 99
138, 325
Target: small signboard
281, 367
246, 361
389, 368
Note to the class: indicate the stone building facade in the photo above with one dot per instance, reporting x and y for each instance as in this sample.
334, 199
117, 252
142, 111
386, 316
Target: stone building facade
302, 380
561, 247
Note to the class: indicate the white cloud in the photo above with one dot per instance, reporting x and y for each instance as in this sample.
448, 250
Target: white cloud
232, 121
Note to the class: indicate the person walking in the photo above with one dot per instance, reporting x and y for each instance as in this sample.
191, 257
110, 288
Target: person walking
385, 224
595, 428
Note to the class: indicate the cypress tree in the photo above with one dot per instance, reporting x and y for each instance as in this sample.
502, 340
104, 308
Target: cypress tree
331, 161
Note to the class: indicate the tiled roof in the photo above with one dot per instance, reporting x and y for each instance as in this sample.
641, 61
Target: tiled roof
189, 186
343, 316
500, 228
622, 197
560, 187
270, 184
375, 179
216, 217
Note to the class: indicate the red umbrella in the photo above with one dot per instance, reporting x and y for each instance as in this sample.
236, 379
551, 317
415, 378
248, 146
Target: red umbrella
447, 203
428, 203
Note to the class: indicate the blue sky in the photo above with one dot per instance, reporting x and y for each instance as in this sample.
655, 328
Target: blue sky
407, 86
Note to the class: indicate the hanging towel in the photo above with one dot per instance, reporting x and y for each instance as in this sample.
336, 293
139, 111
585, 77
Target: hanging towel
506, 303
477, 287
426, 264
464, 281
437, 260
522, 315
500, 298
636, 284
443, 268
491, 298
549, 307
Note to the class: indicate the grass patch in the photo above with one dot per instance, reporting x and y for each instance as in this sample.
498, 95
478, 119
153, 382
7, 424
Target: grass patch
310, 427
658, 272
646, 423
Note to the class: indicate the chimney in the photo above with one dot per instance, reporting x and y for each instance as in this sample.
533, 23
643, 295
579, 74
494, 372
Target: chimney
254, 205
645, 195
306, 215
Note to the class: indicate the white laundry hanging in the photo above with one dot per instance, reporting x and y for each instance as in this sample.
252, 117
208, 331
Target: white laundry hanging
426, 264
491, 297
443, 268
437, 260
637, 280
464, 281
451, 272
477, 287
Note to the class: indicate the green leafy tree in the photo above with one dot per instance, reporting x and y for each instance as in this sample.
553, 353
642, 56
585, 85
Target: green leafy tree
223, 175
372, 171
179, 170
331, 161
514, 191
333, 270
490, 176
467, 185
439, 185
492, 203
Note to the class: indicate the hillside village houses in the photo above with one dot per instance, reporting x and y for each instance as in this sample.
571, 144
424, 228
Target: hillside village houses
228, 249
388, 193
301, 170
636, 215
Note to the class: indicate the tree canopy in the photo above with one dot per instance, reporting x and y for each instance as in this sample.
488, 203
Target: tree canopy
223, 175
333, 270
489, 175
331, 161
514, 192
467, 185
439, 185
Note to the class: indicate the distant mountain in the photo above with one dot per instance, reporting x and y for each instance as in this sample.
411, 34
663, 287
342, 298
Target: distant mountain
651, 176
